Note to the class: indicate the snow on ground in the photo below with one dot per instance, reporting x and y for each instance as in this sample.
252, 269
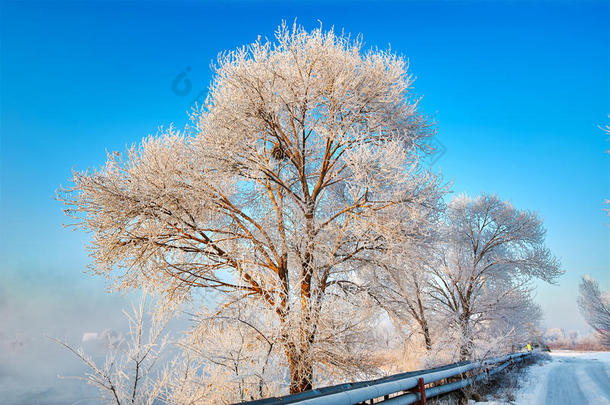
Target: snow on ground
568, 378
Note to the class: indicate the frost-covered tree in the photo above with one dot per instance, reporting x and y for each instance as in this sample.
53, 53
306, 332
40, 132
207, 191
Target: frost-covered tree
512, 321
401, 282
132, 372
491, 252
235, 356
304, 158
595, 307
410, 300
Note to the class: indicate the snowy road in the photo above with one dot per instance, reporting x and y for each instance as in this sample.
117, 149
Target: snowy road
570, 378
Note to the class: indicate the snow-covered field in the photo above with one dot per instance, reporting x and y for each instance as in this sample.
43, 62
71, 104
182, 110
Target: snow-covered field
569, 378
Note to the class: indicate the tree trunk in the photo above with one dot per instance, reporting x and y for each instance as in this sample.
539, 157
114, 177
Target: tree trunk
301, 366
301, 373
465, 351
427, 338
466, 343
421, 316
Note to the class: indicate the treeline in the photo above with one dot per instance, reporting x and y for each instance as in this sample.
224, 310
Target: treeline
560, 339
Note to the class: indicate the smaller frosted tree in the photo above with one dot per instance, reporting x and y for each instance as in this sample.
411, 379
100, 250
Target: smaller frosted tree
512, 321
402, 282
132, 372
595, 307
491, 252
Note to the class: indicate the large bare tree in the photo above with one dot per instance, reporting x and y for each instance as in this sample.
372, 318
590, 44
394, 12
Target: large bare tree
304, 158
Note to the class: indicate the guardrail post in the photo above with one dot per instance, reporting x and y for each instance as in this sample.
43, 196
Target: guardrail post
422, 391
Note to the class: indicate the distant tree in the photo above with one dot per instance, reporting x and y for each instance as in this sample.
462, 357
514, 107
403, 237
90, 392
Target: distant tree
595, 307
491, 252
304, 158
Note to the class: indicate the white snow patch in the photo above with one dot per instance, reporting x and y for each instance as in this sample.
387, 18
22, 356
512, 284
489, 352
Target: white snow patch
604, 357
571, 377
87, 336
590, 389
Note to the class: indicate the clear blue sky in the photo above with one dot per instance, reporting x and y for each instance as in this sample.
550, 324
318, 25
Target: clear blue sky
518, 90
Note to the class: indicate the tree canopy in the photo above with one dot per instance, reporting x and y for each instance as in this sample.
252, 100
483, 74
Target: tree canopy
301, 165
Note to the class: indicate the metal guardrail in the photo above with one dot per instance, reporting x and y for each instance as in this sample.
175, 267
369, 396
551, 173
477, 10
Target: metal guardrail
403, 388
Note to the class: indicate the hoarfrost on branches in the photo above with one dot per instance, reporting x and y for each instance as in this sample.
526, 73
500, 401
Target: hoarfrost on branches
294, 216
491, 253
595, 307
131, 372
303, 161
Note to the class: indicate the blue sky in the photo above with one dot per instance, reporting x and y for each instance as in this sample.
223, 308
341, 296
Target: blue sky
518, 90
